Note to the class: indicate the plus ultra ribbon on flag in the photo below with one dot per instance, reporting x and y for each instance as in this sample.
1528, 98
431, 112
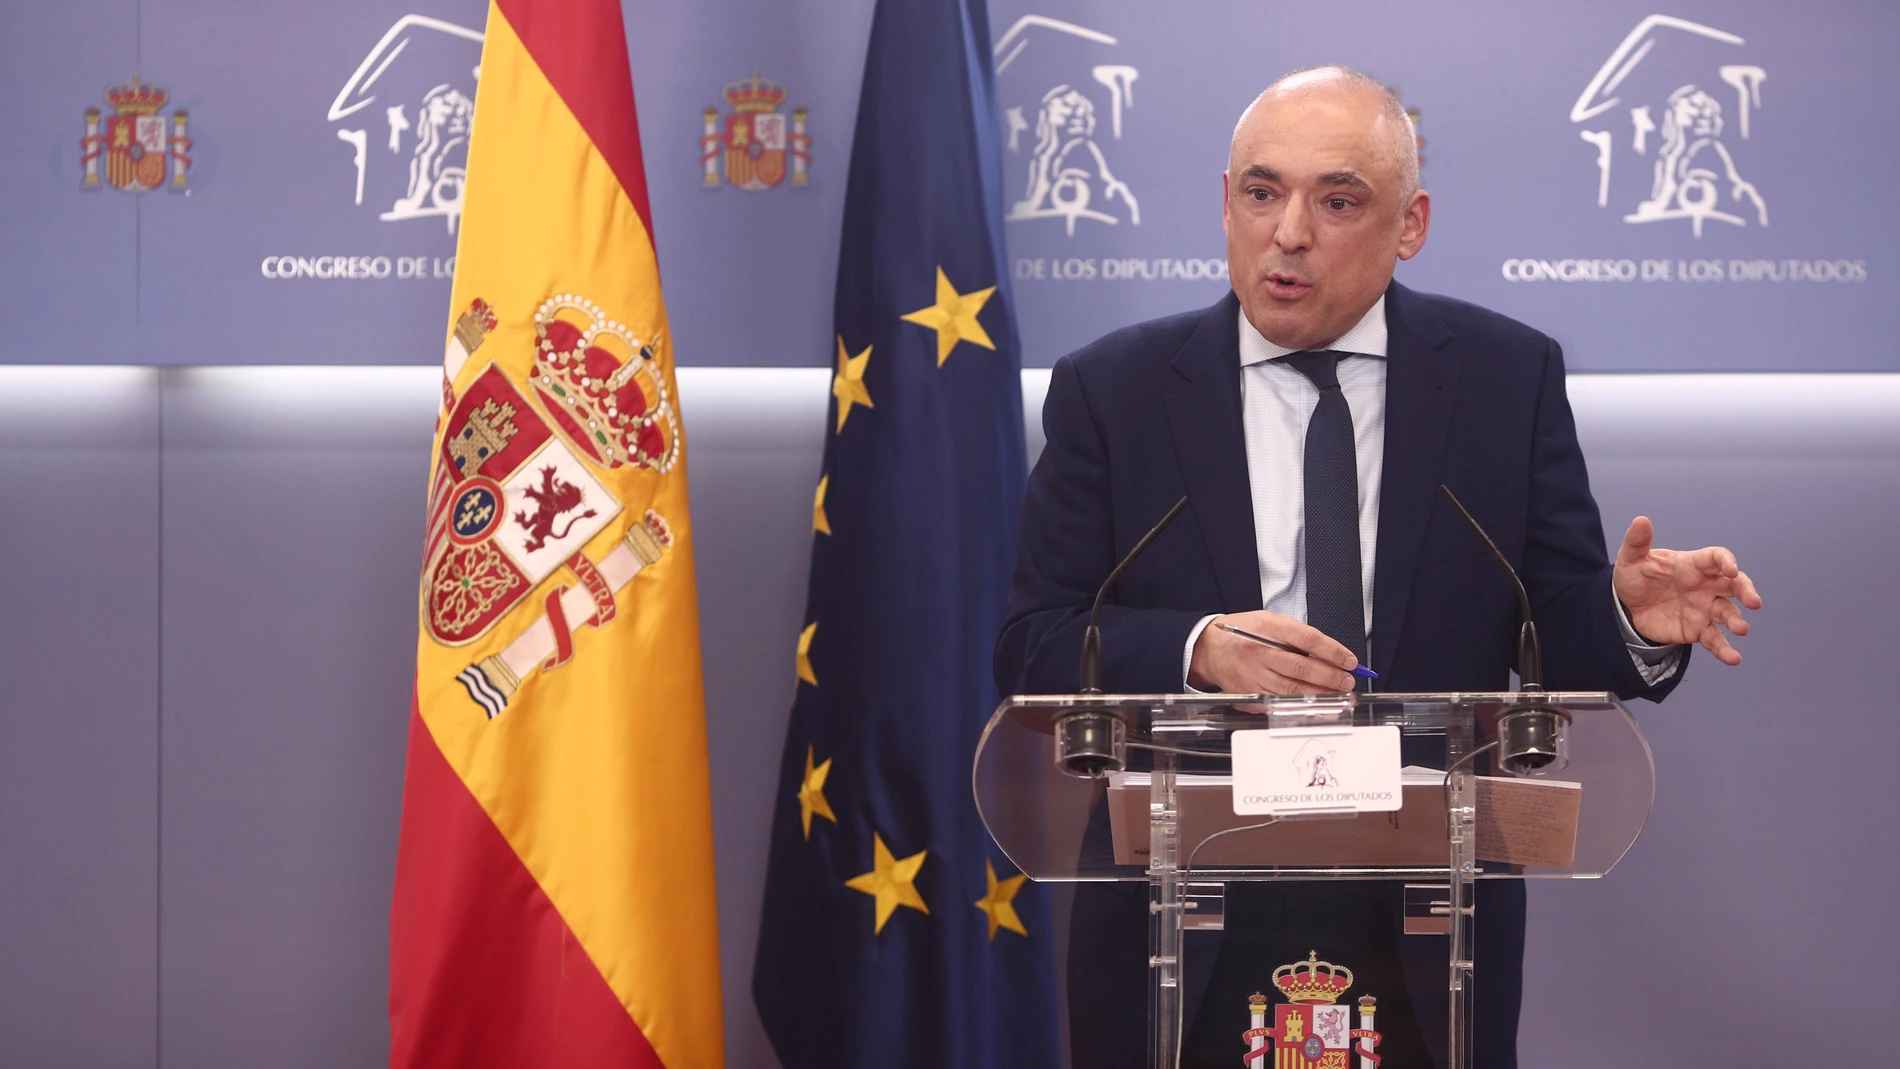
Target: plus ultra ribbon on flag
554, 887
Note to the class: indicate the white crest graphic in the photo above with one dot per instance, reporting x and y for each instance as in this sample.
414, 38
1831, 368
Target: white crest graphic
1069, 176
1333, 1025
554, 506
433, 109
1694, 175
1314, 765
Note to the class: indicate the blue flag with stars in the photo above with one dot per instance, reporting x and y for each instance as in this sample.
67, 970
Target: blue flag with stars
894, 932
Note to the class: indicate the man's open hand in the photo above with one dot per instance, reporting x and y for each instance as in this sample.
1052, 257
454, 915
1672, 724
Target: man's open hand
1682, 595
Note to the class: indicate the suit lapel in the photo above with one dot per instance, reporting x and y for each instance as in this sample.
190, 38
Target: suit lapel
1421, 386
1211, 447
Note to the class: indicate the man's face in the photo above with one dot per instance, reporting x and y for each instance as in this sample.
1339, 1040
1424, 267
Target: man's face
1313, 214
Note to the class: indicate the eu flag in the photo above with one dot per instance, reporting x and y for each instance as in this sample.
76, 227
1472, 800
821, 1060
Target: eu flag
894, 933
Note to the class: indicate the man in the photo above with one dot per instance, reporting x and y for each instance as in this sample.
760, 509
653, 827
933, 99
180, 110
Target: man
1309, 418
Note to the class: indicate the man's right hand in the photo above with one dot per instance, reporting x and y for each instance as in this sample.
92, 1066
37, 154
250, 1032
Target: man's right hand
1225, 662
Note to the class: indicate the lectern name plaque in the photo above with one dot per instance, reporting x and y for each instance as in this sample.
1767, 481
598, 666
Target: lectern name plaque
1316, 771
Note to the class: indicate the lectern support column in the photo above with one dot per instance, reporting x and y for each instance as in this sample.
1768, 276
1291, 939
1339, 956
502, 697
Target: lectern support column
1461, 817
1167, 896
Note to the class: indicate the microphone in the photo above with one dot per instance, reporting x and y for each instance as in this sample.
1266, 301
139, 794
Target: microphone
1530, 733
1089, 673
1530, 655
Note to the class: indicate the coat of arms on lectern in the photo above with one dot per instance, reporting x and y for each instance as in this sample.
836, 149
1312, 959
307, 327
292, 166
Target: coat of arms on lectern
1311, 1029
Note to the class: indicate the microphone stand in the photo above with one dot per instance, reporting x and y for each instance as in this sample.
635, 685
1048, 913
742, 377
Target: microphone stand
1530, 733
1092, 744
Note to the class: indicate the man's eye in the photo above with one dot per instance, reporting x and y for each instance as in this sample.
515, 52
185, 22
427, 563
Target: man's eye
1259, 194
1338, 204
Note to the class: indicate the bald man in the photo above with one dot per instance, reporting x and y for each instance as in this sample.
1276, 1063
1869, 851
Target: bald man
1309, 417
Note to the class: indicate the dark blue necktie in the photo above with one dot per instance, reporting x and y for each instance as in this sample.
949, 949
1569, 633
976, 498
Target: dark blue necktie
1335, 598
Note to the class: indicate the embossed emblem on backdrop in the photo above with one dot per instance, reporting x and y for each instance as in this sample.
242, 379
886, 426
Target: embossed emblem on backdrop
529, 471
1075, 156
755, 144
1675, 127
396, 151
138, 147
1669, 115
404, 115
1311, 1030
1063, 167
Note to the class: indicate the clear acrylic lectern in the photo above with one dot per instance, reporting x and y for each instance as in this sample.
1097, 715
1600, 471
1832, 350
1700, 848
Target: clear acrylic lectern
1495, 786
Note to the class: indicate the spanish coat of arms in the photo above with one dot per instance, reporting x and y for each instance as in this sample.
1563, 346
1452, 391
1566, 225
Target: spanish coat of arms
1311, 1030
517, 494
755, 140
139, 146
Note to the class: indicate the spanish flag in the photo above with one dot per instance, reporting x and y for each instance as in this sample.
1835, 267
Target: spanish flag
554, 886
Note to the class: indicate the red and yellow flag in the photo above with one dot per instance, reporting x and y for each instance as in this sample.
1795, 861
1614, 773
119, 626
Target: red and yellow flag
554, 887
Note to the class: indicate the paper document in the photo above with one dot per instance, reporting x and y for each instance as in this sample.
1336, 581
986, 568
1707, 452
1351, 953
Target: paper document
1530, 822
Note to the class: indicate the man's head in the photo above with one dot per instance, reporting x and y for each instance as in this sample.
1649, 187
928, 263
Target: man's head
1322, 200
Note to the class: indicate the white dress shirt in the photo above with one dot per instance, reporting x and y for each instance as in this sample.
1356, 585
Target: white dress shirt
1277, 402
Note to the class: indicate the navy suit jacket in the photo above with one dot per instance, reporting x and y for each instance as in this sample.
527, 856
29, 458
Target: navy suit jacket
1153, 412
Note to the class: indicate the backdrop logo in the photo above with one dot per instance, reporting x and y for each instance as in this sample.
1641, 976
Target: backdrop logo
139, 147
754, 140
1682, 118
419, 81
1068, 175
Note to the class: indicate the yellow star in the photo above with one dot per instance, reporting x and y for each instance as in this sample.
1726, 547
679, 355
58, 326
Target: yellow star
889, 881
999, 902
804, 653
953, 317
819, 521
811, 795
848, 384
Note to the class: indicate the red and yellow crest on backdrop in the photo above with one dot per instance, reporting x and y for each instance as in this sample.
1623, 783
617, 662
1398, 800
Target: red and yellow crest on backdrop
139, 146
757, 143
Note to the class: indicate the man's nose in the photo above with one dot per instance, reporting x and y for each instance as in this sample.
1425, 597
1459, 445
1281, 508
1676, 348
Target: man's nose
1295, 232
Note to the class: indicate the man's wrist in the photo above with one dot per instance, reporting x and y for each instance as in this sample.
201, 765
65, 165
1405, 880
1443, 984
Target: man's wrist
1187, 651
1631, 636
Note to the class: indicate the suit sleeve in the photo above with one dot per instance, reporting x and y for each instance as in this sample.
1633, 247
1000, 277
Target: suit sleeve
1066, 547
1566, 570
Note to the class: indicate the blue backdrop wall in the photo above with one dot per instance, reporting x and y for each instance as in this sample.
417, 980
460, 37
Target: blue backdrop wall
1697, 189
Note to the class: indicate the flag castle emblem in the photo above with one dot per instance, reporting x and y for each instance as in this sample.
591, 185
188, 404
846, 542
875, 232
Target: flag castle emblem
1311, 1030
755, 141
138, 145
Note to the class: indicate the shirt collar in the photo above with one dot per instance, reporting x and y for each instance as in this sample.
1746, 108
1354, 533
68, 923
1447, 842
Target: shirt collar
1366, 338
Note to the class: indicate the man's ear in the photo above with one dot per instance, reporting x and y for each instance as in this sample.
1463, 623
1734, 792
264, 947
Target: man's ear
1414, 222
1226, 205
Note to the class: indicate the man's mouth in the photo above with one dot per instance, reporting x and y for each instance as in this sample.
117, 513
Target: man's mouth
1287, 285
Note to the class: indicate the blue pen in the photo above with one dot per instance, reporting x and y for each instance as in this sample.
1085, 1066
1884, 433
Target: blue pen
1360, 671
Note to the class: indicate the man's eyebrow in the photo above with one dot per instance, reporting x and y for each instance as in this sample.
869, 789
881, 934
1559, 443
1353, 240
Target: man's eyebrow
1345, 178
1255, 170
